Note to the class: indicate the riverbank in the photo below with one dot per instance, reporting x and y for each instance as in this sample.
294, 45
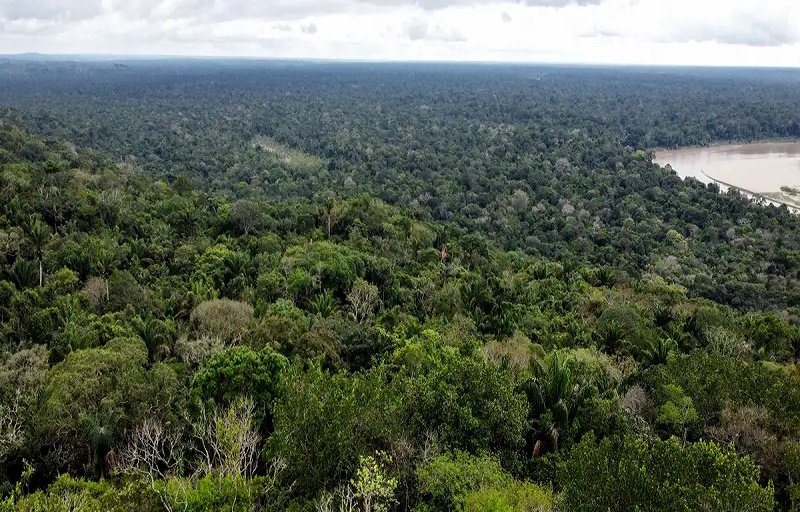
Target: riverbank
727, 143
755, 195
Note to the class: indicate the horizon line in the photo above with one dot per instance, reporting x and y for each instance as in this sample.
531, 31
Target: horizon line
146, 56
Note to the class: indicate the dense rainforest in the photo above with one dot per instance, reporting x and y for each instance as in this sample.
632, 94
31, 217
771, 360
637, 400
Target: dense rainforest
242, 285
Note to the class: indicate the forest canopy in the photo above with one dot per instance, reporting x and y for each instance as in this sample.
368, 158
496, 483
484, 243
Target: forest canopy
295, 286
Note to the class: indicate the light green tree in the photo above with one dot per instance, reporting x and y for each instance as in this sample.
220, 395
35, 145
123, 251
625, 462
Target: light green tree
678, 412
373, 486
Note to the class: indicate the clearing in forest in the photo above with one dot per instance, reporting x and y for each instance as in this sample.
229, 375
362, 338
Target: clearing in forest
289, 157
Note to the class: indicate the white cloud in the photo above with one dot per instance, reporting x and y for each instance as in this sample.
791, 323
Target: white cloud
70, 10
744, 32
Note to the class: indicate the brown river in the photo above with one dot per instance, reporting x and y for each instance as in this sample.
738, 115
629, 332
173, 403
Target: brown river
760, 168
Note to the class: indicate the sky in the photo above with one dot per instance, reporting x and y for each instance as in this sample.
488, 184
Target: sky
650, 32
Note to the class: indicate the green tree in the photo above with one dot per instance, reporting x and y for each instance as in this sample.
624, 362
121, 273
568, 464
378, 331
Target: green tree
515, 497
67, 493
246, 215
39, 235
241, 372
791, 468
325, 422
469, 404
678, 413
372, 485
90, 398
226, 319
631, 474
154, 333
555, 398
363, 299
448, 479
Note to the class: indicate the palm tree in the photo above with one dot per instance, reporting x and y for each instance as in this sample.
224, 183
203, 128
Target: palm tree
684, 340
540, 272
153, 332
138, 248
567, 268
690, 326
605, 277
22, 273
105, 260
795, 344
38, 235
555, 398
323, 305
100, 430
202, 289
238, 264
662, 315
659, 352
611, 336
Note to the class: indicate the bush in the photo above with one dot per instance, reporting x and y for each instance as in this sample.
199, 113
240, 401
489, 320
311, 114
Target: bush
92, 398
460, 481
470, 404
324, 422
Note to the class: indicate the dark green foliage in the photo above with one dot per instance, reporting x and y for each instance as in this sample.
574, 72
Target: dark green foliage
659, 351
324, 422
470, 405
555, 398
448, 479
630, 474
570, 393
239, 372
714, 382
154, 333
323, 305
527, 157
662, 315
611, 336
23, 273
90, 398
776, 336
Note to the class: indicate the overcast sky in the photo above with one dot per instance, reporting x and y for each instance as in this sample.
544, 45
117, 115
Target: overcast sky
696, 32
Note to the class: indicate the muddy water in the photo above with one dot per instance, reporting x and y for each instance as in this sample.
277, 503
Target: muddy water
761, 168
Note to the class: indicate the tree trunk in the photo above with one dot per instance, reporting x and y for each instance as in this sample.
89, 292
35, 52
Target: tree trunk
40, 272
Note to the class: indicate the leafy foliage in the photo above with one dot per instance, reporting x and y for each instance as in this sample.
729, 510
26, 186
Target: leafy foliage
240, 372
359, 287
632, 474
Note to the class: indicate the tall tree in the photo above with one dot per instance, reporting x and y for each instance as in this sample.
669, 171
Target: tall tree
39, 235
